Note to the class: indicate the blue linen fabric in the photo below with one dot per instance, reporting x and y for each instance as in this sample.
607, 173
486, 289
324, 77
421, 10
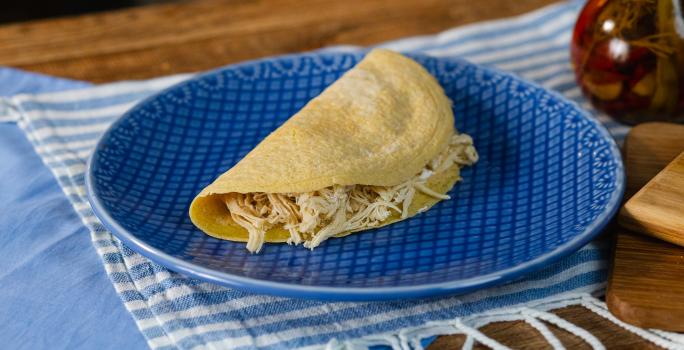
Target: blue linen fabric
55, 292
174, 311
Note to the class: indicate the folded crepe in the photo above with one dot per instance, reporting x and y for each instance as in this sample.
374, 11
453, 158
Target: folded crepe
377, 146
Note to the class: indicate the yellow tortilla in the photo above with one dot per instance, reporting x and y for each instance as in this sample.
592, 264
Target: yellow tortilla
379, 124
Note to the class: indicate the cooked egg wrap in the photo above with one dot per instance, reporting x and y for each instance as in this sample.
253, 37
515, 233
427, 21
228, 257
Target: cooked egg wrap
375, 147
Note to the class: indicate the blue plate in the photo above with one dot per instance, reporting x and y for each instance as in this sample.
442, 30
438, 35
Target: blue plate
549, 179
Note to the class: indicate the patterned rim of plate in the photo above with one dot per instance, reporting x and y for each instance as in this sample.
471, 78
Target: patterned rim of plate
261, 286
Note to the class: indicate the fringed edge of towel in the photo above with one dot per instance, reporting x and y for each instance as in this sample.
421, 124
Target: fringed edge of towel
536, 315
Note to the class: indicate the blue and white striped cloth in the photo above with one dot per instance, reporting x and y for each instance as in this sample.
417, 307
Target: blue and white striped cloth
174, 311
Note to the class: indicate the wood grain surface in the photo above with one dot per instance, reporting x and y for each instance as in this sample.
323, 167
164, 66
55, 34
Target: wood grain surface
645, 285
648, 149
193, 36
658, 208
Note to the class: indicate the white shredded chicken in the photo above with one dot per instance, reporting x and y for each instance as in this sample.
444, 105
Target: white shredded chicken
313, 217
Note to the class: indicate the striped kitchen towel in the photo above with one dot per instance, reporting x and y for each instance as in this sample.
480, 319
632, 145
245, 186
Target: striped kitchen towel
174, 311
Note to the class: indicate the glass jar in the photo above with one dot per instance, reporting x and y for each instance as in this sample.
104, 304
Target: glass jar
628, 57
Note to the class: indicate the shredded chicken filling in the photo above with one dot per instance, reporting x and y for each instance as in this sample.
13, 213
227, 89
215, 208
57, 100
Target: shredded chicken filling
313, 217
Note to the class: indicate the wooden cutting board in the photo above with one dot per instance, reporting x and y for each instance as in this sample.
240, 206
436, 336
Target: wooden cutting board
658, 208
646, 284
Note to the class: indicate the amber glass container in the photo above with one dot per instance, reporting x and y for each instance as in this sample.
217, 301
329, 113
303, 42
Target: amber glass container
628, 57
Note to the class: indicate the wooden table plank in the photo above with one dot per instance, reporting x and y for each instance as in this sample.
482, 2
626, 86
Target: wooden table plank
193, 36
163, 39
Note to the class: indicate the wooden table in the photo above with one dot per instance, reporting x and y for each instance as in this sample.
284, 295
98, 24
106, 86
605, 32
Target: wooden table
188, 37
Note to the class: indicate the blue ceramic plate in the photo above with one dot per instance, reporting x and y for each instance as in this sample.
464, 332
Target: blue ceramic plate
549, 179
